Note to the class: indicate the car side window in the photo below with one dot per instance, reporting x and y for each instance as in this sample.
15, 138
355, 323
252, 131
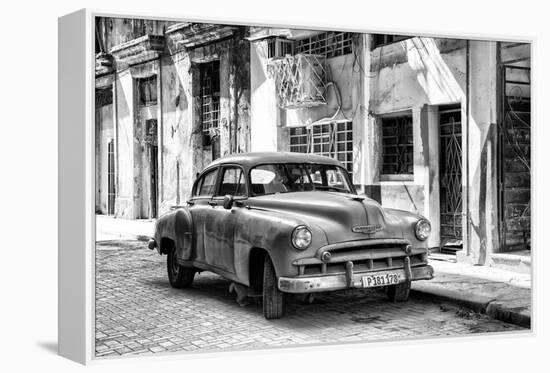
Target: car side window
269, 179
197, 187
336, 178
207, 186
233, 182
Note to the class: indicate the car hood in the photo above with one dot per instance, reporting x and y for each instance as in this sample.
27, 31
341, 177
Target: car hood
342, 217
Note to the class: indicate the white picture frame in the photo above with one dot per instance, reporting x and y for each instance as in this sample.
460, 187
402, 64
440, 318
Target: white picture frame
76, 182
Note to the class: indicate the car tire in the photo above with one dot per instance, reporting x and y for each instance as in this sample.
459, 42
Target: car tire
273, 298
399, 292
179, 276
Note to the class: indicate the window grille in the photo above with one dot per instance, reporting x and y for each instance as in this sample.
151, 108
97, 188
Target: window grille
299, 142
333, 140
397, 146
329, 44
379, 40
147, 90
210, 97
300, 80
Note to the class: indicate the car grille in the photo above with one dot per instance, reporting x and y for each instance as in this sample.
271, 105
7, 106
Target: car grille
364, 259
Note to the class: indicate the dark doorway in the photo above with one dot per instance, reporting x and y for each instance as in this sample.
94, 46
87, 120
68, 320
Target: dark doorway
450, 177
514, 146
111, 194
152, 157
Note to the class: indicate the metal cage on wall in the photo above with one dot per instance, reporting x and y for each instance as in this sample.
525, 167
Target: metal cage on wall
300, 80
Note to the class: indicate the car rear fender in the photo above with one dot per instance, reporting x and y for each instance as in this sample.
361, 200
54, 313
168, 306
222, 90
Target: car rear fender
176, 226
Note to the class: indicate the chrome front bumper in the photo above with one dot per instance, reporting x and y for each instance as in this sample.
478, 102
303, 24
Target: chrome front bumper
349, 280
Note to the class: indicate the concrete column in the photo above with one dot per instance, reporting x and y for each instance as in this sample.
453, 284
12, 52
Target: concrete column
360, 100
239, 96
430, 179
227, 81
420, 146
482, 216
264, 113
199, 158
160, 127
125, 111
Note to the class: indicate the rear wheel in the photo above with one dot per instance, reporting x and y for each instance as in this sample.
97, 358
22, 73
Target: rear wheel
273, 298
399, 292
179, 276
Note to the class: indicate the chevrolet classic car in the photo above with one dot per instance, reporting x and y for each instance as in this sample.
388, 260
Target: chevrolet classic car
279, 223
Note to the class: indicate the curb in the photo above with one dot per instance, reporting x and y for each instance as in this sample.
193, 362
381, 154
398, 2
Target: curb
135, 237
483, 305
516, 316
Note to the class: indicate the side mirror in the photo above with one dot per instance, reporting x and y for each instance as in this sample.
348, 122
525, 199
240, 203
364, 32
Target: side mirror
228, 202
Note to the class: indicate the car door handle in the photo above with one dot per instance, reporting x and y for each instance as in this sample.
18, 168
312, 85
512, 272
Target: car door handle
190, 203
212, 203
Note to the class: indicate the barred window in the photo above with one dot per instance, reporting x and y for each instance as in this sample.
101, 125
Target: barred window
210, 95
333, 140
329, 44
379, 40
299, 142
147, 90
397, 146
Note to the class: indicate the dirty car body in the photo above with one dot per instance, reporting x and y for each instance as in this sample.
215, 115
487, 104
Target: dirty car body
282, 223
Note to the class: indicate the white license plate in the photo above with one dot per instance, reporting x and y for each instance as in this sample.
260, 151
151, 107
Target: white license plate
388, 278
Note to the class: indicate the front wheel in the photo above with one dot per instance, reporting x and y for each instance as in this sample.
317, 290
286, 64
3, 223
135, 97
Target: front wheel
179, 276
273, 298
399, 292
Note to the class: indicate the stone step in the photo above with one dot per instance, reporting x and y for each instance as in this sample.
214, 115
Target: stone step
516, 261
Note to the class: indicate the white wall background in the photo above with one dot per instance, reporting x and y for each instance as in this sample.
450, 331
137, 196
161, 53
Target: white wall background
28, 265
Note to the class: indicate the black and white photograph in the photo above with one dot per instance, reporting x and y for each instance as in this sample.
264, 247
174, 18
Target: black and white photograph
275, 187
261, 187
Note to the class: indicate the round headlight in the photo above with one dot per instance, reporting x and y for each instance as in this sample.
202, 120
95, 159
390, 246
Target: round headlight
423, 229
301, 237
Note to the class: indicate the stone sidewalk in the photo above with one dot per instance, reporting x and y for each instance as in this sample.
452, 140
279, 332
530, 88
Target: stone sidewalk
109, 228
501, 294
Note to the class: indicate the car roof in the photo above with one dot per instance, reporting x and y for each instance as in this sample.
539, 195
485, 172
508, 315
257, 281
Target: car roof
252, 159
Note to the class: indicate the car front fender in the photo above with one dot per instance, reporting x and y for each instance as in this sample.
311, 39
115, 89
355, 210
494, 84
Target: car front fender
271, 231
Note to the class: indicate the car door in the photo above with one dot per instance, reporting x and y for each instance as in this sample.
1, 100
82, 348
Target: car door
222, 223
200, 205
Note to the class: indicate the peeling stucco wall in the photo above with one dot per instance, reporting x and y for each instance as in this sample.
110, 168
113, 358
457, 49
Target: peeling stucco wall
183, 154
179, 138
415, 76
270, 129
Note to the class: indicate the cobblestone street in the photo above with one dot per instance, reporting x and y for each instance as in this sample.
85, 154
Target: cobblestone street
137, 312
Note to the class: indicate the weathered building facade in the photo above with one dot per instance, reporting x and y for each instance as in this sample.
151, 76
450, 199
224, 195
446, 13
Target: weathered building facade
170, 98
436, 126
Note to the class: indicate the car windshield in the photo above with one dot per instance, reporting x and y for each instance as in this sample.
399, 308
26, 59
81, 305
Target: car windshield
293, 177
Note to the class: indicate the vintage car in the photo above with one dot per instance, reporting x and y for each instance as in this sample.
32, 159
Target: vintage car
280, 223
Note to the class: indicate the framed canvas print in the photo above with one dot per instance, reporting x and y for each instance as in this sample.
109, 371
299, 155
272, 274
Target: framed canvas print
231, 186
